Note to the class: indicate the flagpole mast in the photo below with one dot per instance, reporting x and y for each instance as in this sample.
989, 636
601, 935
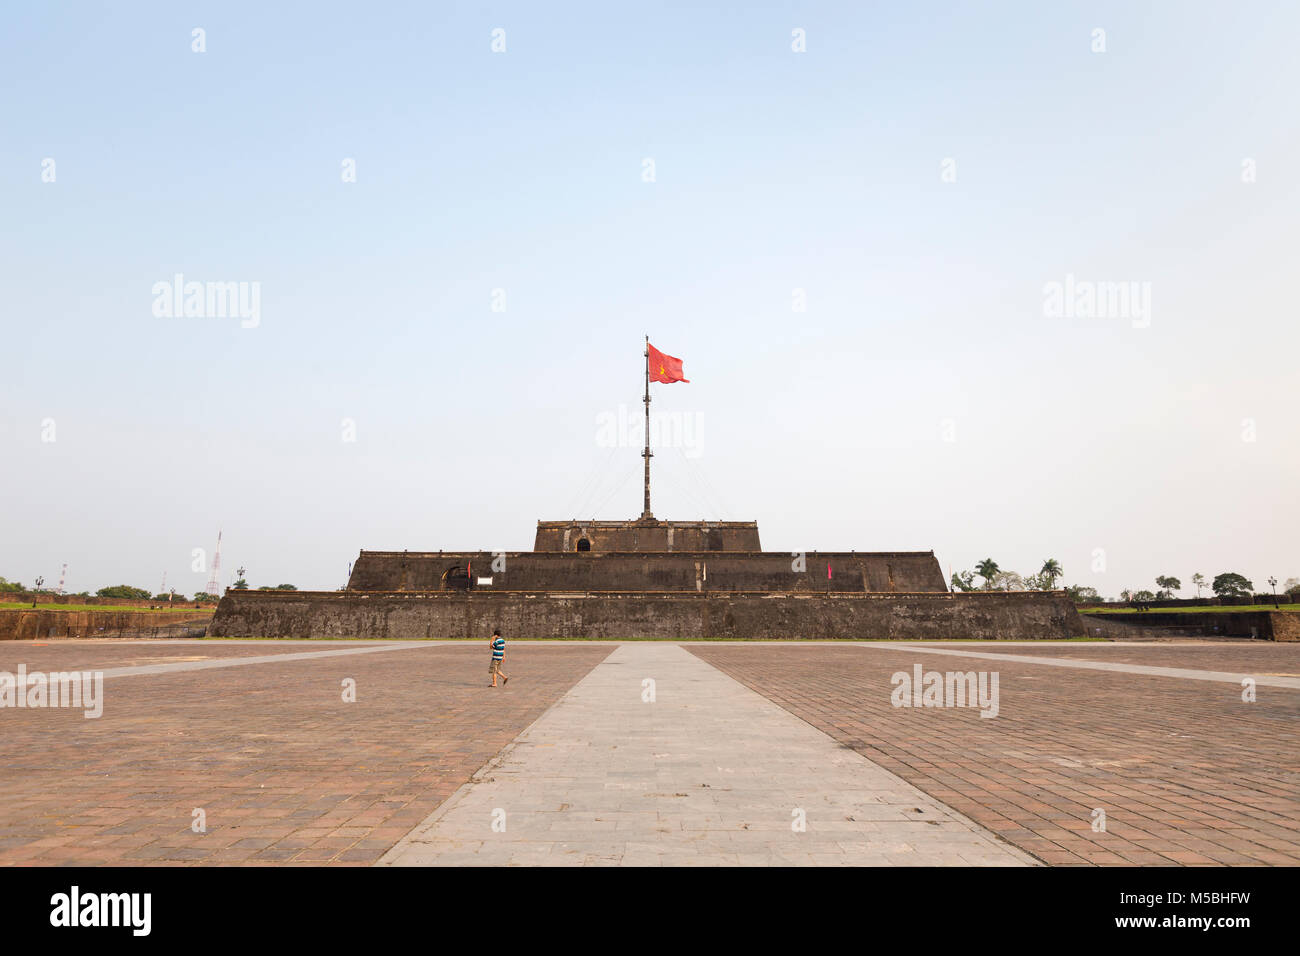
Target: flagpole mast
646, 515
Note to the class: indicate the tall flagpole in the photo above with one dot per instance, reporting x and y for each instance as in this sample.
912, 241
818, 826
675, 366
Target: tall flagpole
646, 515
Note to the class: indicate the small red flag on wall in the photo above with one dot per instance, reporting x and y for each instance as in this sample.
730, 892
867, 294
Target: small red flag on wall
665, 368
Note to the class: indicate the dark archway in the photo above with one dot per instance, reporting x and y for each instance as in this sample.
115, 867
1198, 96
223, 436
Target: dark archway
456, 578
584, 544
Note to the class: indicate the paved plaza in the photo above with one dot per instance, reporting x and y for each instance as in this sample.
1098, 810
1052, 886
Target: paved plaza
694, 769
654, 753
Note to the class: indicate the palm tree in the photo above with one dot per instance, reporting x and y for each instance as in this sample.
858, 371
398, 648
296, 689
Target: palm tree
987, 569
1050, 572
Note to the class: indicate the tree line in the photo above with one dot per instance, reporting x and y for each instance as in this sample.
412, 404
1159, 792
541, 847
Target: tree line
994, 578
140, 594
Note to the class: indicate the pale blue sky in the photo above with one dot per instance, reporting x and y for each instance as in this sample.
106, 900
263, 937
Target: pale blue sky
774, 170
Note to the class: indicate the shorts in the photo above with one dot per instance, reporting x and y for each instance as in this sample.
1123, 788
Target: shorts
494, 667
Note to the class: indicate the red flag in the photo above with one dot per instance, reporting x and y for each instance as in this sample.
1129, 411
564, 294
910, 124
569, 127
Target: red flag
665, 368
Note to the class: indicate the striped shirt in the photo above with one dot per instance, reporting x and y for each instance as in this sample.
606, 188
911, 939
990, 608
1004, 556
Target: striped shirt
498, 648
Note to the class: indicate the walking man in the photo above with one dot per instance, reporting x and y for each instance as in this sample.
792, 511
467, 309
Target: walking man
498, 645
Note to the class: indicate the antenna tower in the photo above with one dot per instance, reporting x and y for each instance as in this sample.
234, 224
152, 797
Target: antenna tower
214, 582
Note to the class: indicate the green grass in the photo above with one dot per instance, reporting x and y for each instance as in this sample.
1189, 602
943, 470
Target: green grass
27, 606
1193, 610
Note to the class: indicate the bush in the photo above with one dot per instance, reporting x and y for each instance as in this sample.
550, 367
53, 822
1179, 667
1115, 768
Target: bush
123, 591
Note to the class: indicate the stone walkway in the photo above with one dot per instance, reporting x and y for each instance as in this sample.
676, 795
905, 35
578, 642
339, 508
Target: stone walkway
1291, 681
707, 773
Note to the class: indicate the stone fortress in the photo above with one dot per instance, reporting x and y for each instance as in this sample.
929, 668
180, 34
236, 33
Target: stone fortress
645, 579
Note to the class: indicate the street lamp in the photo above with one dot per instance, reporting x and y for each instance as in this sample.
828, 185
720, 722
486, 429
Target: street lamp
1272, 582
39, 583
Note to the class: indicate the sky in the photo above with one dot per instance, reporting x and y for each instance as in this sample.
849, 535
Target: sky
888, 240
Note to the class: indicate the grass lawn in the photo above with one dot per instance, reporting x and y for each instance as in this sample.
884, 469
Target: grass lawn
1193, 610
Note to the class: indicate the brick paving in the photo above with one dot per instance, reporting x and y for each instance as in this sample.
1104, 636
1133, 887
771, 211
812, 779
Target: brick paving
1186, 772
1245, 656
285, 771
90, 655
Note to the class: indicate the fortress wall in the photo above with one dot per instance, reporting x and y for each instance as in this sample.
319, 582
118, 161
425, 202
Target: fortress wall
634, 536
442, 615
1284, 625
699, 571
18, 625
1264, 625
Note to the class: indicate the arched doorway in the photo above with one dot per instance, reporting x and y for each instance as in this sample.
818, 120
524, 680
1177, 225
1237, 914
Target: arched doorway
584, 544
456, 578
